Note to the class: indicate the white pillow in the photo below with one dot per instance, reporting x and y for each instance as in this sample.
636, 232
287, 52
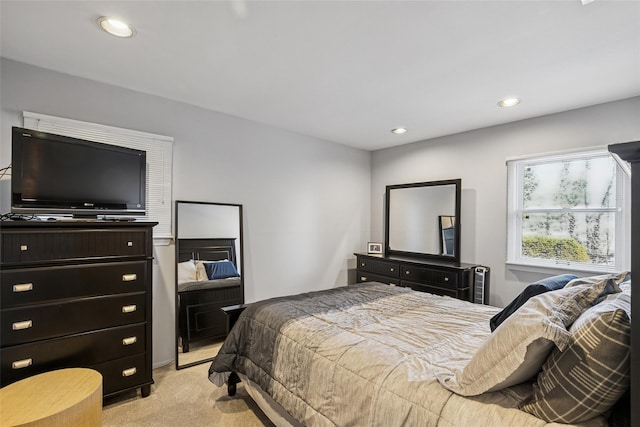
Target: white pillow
517, 349
187, 272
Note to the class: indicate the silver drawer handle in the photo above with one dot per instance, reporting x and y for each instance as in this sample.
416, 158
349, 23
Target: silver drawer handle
362, 264
129, 341
23, 287
129, 372
26, 324
129, 308
363, 278
129, 277
19, 364
407, 272
446, 279
24, 248
130, 244
391, 269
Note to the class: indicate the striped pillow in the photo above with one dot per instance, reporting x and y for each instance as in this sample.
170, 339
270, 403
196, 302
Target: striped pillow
519, 347
587, 378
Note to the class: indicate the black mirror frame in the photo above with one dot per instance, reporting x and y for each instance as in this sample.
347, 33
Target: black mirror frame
241, 267
455, 258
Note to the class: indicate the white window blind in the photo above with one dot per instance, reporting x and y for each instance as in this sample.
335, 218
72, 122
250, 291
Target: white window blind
159, 150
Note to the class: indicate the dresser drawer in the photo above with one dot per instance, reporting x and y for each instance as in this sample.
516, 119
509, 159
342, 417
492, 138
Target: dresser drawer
121, 374
44, 321
36, 285
384, 268
364, 276
421, 287
40, 246
82, 350
440, 278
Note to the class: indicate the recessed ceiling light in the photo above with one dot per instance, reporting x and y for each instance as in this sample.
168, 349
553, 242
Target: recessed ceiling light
508, 102
115, 27
399, 131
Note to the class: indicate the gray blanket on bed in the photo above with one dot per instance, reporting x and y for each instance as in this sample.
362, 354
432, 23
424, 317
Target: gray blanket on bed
366, 355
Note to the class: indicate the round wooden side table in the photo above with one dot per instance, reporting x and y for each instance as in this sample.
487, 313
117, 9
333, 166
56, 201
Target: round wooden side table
66, 397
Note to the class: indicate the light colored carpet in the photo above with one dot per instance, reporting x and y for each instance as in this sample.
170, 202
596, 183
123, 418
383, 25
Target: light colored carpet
183, 398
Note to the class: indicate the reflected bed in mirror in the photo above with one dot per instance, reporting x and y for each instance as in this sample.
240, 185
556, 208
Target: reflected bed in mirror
423, 219
208, 276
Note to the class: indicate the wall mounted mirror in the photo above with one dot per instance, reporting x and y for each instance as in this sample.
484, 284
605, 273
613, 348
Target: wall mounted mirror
423, 219
209, 275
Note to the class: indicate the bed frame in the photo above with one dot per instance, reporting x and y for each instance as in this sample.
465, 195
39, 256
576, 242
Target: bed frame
630, 151
199, 311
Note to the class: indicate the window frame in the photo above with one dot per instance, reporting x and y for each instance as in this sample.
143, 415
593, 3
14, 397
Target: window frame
515, 211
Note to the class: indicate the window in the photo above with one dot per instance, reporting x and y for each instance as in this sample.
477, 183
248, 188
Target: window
569, 211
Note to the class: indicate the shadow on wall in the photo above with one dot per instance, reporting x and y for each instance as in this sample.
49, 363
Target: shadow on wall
351, 276
468, 227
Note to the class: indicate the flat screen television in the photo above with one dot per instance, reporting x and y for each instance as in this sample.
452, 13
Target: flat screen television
55, 174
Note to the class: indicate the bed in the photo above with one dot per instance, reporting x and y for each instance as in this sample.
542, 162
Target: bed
373, 354
199, 297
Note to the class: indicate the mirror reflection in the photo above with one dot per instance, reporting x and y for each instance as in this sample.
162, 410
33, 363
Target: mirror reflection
447, 234
208, 276
422, 219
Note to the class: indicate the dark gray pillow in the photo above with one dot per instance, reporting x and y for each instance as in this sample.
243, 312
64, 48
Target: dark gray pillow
536, 288
588, 377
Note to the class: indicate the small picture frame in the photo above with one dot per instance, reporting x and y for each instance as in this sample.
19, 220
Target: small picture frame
374, 248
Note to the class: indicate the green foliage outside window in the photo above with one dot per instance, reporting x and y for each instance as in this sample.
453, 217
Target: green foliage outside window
554, 248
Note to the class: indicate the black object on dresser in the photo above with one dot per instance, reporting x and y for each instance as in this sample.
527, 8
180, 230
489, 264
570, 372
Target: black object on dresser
77, 294
437, 277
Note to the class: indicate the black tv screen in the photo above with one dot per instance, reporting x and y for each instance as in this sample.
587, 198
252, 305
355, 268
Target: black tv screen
54, 174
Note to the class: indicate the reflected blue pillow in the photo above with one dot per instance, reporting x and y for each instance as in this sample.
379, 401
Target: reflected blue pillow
536, 288
220, 270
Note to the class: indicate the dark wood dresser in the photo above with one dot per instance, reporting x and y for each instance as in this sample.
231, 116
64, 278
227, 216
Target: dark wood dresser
433, 276
77, 294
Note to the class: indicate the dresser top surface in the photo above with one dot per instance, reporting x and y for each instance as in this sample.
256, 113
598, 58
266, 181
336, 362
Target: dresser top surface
69, 223
419, 260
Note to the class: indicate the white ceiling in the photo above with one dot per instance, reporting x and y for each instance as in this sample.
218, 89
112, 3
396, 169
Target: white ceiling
346, 71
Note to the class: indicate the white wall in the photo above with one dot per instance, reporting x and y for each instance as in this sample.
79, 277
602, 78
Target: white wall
305, 201
478, 158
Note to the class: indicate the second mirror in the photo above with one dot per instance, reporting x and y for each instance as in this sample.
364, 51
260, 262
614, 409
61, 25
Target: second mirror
209, 275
